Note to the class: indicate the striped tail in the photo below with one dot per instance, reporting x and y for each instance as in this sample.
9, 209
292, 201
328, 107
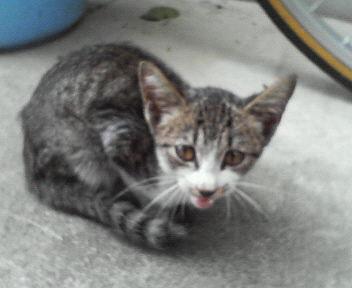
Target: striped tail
141, 227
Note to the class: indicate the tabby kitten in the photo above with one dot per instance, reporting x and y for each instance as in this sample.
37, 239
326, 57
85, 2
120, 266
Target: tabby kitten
112, 134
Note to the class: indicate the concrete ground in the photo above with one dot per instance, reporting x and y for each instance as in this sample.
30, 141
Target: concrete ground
306, 170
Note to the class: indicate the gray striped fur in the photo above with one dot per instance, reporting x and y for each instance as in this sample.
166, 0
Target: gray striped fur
89, 128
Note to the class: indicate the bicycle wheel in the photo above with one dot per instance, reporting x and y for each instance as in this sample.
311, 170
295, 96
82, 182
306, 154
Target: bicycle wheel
308, 31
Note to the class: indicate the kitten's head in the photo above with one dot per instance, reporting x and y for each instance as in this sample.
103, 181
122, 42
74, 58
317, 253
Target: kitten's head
208, 138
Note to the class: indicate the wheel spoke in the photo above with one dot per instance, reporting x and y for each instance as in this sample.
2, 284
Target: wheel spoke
314, 7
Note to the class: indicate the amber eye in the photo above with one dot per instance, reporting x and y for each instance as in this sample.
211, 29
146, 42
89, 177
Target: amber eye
186, 153
233, 158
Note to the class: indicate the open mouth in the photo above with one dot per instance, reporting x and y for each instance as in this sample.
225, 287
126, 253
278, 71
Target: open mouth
202, 202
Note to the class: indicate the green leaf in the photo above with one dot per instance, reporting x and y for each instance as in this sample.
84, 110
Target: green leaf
160, 13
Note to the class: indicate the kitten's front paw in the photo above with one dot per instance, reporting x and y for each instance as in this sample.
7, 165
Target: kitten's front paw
162, 232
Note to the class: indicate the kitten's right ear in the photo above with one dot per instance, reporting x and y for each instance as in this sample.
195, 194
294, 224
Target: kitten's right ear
160, 96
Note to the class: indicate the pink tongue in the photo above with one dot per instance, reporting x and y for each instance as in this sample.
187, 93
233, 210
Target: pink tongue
203, 202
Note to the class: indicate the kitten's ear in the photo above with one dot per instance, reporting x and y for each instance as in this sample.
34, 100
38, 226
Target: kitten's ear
160, 96
268, 106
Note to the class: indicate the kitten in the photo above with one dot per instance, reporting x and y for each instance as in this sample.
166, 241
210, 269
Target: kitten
113, 134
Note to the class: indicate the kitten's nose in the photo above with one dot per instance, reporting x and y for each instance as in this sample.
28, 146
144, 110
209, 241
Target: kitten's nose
207, 193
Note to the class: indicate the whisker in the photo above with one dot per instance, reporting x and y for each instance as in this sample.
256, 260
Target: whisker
177, 202
44, 229
228, 207
155, 178
159, 185
242, 204
172, 197
239, 202
183, 205
168, 201
254, 185
160, 196
145, 184
150, 181
253, 203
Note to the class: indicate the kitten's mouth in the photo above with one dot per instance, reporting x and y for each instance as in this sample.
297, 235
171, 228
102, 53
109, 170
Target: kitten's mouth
202, 202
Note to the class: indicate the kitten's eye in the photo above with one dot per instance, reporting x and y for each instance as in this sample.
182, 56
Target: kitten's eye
233, 158
186, 153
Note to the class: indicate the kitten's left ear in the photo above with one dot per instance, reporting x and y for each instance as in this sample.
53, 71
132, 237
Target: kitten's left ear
161, 99
268, 106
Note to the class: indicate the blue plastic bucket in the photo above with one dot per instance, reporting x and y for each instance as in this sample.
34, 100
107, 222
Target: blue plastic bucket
26, 21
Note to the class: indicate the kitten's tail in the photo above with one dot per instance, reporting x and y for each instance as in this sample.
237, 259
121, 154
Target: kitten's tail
123, 217
141, 227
